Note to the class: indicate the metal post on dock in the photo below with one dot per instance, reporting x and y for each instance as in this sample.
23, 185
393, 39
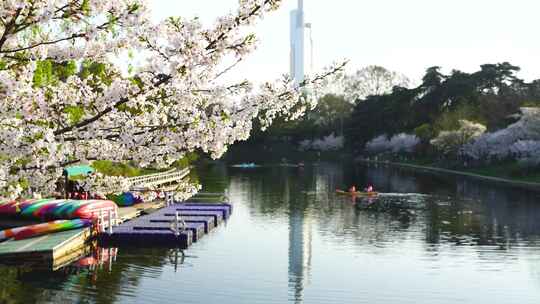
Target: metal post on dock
176, 224
169, 198
110, 222
100, 221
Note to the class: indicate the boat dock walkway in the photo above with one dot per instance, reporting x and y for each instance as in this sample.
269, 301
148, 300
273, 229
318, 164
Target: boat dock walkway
148, 224
175, 226
51, 251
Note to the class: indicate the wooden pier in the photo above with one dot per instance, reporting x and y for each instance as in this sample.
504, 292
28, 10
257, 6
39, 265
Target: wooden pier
51, 251
144, 225
176, 226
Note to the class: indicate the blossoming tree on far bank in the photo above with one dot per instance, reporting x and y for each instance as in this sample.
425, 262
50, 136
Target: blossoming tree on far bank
177, 101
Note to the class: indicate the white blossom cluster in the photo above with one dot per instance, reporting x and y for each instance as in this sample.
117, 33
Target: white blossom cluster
453, 141
399, 143
519, 140
186, 190
182, 191
173, 105
327, 143
103, 184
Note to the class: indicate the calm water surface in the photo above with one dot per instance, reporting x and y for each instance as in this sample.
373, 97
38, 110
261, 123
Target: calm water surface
428, 239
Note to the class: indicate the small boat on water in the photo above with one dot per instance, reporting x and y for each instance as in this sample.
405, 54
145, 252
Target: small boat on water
246, 165
357, 193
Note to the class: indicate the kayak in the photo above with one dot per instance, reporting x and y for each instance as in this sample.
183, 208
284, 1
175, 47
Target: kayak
31, 231
57, 209
357, 193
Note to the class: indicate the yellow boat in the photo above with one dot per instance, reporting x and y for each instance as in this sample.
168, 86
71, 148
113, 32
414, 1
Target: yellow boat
357, 193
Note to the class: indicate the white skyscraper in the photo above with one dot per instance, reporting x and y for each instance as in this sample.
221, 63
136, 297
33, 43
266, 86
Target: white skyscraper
298, 43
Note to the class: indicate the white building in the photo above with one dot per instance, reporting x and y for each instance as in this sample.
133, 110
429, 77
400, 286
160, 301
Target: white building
298, 43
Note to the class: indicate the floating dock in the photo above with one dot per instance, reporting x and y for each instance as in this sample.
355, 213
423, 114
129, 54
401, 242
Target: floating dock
159, 227
51, 251
162, 228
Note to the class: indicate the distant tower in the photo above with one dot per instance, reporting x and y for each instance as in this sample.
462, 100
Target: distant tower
297, 43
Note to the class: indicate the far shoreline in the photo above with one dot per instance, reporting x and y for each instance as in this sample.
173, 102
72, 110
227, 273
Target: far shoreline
486, 178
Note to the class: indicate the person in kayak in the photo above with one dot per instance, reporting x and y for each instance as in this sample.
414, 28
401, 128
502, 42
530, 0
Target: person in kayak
352, 189
369, 189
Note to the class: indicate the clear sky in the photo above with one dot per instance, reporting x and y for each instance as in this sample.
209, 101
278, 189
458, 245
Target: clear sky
407, 36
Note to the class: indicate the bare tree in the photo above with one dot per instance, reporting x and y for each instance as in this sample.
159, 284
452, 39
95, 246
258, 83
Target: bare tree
372, 80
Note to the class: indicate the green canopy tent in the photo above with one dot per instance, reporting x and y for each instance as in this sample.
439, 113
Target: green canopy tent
78, 170
74, 171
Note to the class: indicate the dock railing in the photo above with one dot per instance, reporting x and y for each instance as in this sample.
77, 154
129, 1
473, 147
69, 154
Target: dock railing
151, 180
107, 220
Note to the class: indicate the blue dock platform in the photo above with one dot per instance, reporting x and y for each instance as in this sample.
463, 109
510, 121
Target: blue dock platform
159, 229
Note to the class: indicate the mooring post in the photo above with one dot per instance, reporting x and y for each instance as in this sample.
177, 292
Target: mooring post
176, 225
170, 200
110, 222
100, 222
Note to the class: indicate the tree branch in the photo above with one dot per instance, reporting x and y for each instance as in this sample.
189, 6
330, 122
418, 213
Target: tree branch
8, 28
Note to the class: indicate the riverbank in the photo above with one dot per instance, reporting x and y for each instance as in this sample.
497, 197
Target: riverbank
474, 174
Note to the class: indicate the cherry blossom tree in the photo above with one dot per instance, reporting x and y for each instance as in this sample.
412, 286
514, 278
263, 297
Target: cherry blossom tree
177, 101
450, 142
518, 140
399, 143
379, 144
327, 143
404, 143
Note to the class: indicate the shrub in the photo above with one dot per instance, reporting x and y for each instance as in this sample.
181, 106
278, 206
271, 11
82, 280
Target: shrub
328, 143
450, 142
400, 143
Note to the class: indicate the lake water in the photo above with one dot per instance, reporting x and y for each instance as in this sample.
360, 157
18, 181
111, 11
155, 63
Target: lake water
291, 239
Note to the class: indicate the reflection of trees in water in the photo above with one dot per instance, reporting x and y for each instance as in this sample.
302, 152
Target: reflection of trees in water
262, 195
490, 221
514, 208
347, 225
130, 267
213, 178
467, 211
486, 215
280, 192
458, 212
14, 291
404, 180
391, 180
82, 285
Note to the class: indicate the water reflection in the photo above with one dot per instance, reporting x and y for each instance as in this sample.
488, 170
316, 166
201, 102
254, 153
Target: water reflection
292, 238
300, 247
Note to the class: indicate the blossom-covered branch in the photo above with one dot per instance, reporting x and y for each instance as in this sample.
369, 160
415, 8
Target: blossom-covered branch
175, 102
